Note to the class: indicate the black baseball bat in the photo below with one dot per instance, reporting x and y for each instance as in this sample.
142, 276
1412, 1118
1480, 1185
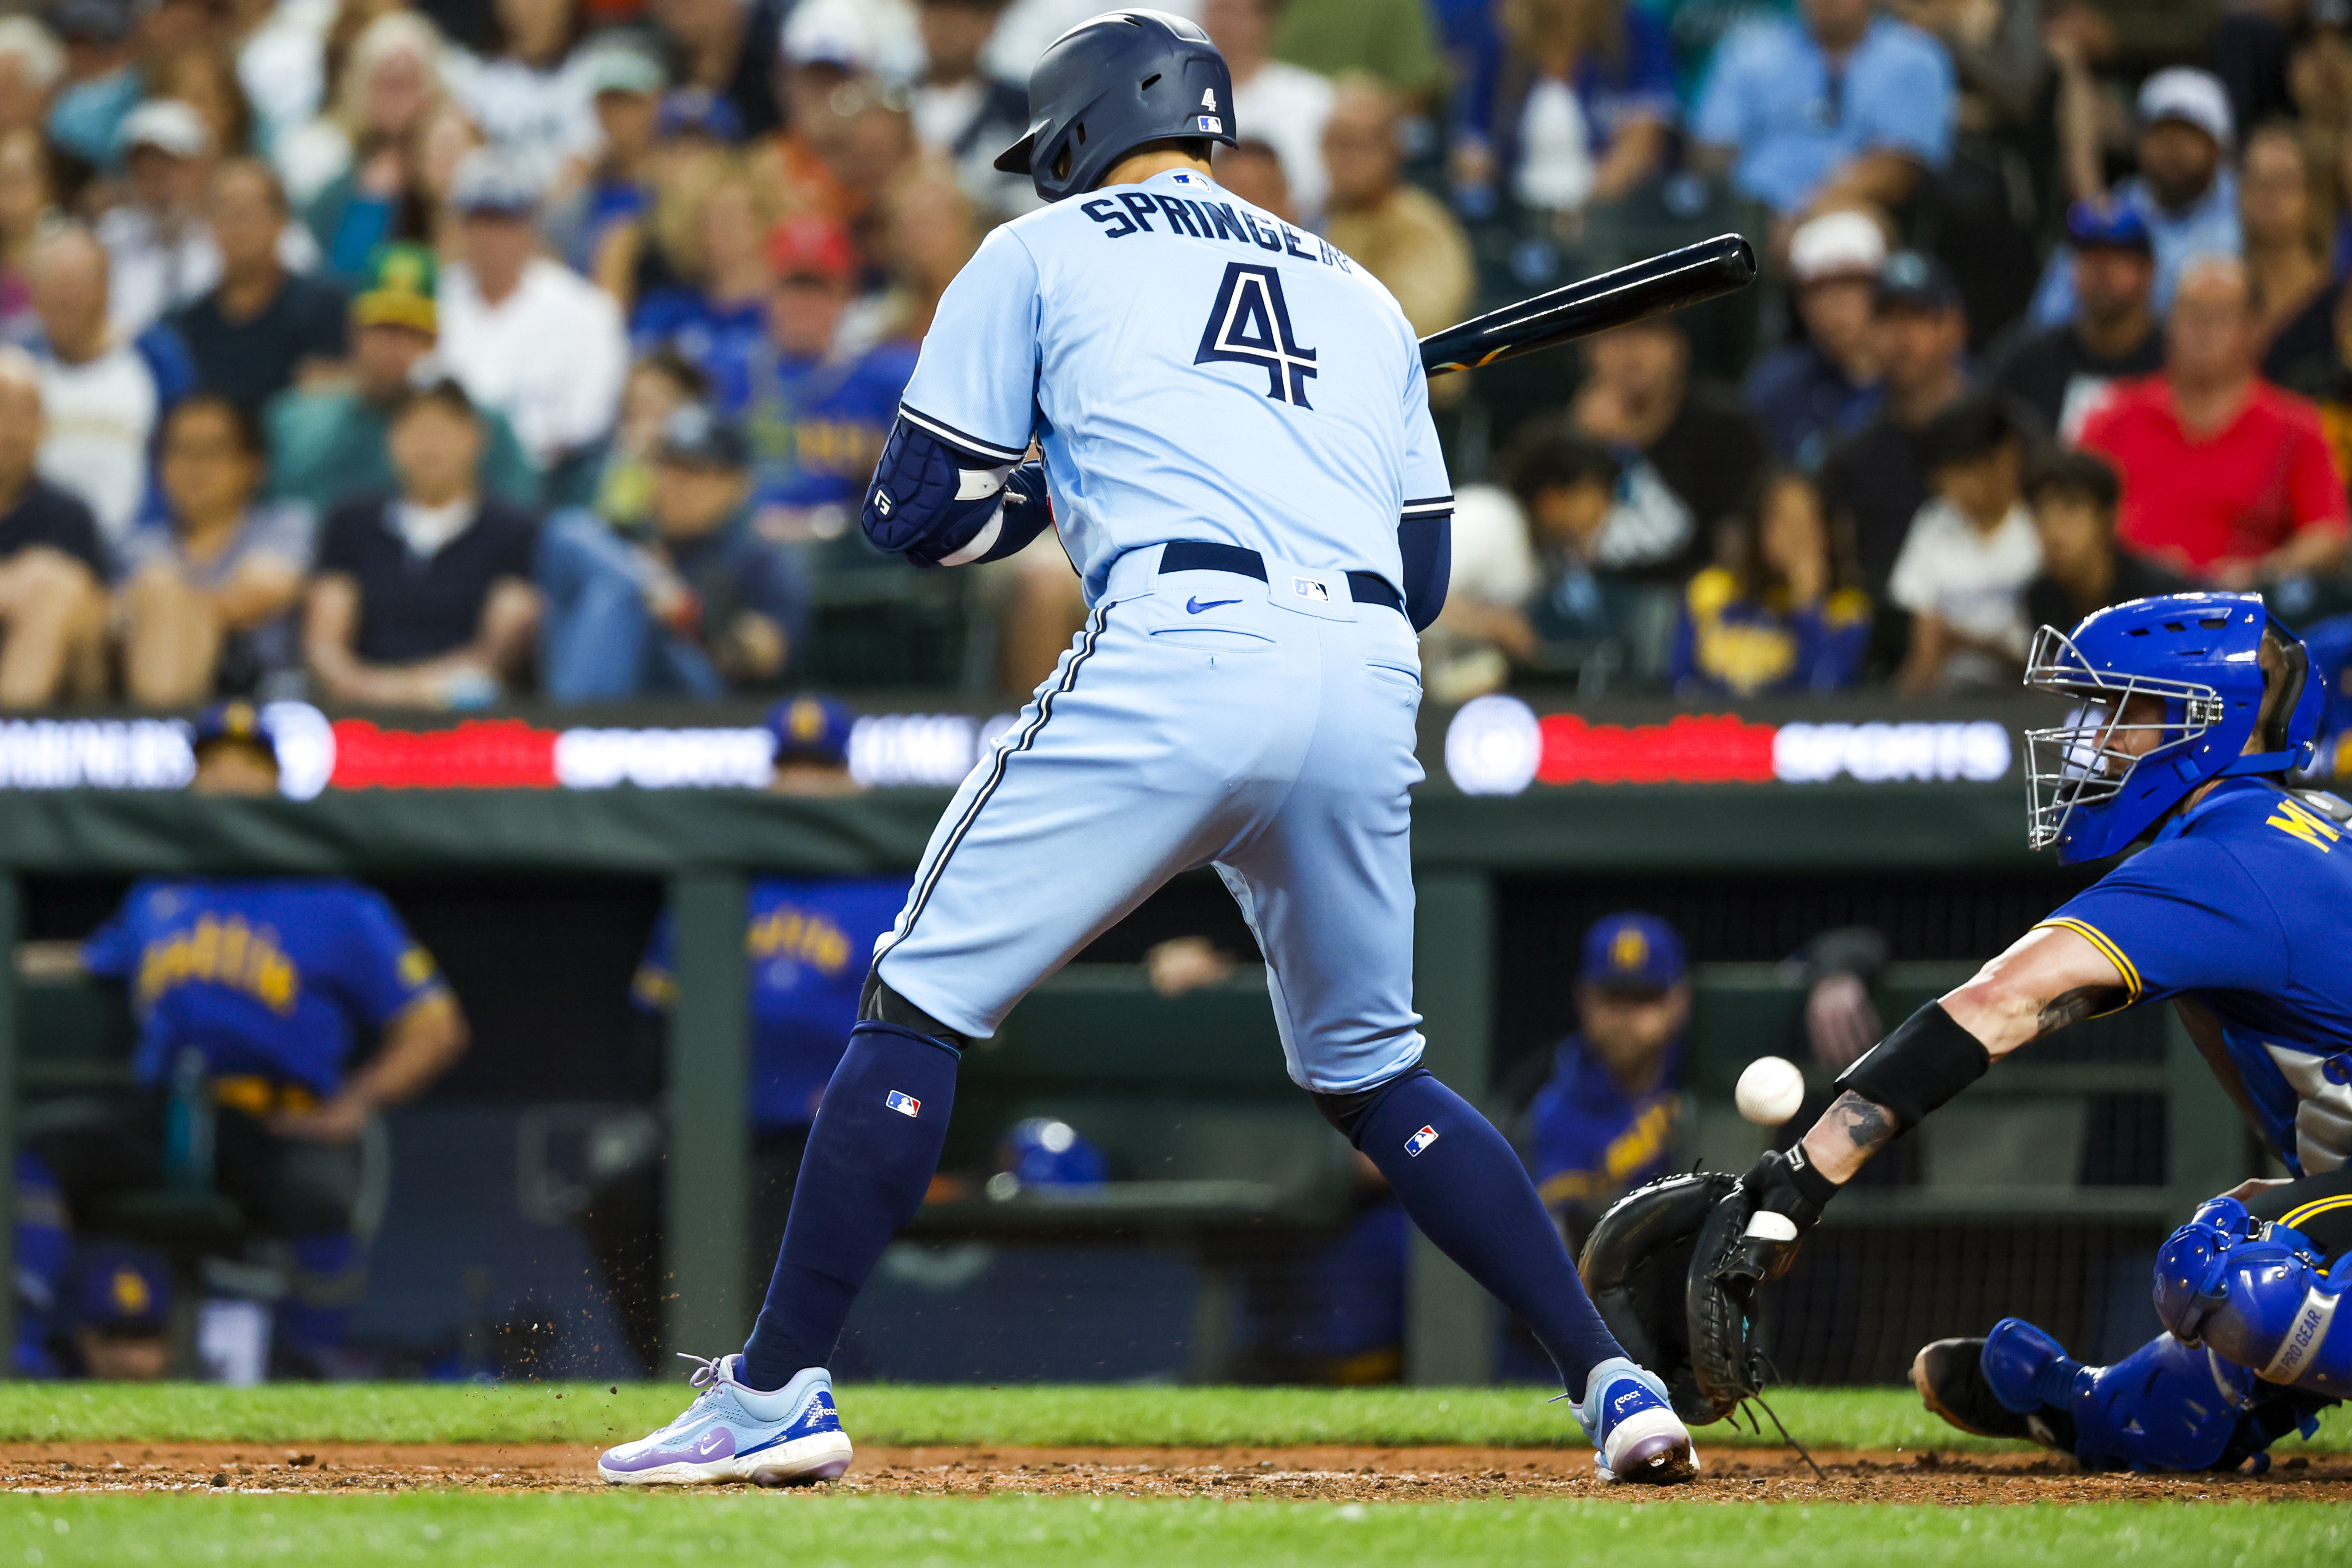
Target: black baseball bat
1696, 273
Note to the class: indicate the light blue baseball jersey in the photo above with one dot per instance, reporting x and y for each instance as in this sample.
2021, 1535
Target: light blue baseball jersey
1194, 369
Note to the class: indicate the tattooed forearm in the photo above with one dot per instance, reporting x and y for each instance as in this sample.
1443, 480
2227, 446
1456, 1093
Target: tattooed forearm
2074, 1007
1865, 1124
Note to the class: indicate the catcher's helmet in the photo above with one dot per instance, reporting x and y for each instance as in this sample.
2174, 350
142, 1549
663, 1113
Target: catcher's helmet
2198, 655
1110, 85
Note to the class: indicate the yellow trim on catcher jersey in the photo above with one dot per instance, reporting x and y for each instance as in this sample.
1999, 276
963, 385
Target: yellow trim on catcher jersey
2294, 1218
2107, 949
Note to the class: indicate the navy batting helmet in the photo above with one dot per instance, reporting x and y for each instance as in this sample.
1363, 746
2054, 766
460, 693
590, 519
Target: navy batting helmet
1110, 85
2201, 658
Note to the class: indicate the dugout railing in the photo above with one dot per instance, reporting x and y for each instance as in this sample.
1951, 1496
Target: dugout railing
706, 844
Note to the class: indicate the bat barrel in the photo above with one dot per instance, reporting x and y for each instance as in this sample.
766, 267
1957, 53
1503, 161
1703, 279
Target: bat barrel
1690, 276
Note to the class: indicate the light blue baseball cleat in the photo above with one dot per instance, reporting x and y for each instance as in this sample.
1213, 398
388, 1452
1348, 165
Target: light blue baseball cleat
734, 1432
1635, 1433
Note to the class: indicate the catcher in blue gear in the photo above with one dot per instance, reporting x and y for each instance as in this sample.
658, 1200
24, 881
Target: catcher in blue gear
2189, 713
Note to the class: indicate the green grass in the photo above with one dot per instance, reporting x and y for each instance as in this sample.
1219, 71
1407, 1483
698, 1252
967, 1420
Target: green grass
885, 1413
707, 1531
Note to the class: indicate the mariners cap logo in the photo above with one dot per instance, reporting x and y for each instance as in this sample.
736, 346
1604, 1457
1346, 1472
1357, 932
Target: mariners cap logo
805, 720
1629, 949
132, 1295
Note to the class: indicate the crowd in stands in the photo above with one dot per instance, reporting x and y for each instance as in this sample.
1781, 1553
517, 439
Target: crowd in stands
436, 353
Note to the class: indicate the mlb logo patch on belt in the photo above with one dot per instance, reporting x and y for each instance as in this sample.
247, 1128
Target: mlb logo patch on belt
1308, 588
1419, 1140
908, 1105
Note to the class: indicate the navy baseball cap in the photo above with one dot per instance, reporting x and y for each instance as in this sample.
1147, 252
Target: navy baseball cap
1632, 951
2110, 227
233, 721
812, 729
1917, 281
122, 1287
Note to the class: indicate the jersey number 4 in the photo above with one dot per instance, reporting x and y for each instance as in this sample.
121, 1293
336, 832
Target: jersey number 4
1250, 324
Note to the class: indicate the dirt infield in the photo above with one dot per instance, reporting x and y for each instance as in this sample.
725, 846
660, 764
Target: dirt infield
1306, 1474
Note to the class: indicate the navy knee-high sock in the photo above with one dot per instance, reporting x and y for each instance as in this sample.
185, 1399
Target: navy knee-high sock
870, 1159
1463, 1184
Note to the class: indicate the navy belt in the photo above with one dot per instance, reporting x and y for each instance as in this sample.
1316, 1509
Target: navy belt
1200, 556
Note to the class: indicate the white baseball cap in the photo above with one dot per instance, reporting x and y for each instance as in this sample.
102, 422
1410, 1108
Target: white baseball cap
2186, 93
169, 126
1837, 245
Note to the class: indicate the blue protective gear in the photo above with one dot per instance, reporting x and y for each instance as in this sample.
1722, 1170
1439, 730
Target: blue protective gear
1425, 542
939, 504
2197, 654
2166, 1406
1110, 85
2258, 1296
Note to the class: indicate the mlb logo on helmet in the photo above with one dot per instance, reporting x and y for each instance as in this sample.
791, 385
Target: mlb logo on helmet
1419, 1140
1212, 125
904, 1104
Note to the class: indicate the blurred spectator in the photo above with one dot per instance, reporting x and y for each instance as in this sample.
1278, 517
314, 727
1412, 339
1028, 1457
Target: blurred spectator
1872, 481
1784, 615
52, 610
2184, 190
353, 217
715, 315
929, 229
206, 598
964, 114
818, 410
205, 80
1283, 104
350, 164
2072, 496
627, 89
1844, 110
1390, 40
262, 327
2062, 372
32, 64
704, 607
1566, 487
1583, 106
2225, 479
1398, 233
525, 335
1969, 554
105, 85
526, 92
808, 943
727, 49
1690, 451
161, 256
1604, 1120
1484, 626
1997, 54
331, 443
1823, 388
659, 385
121, 1314
2286, 223
423, 599
1253, 171
26, 203
102, 393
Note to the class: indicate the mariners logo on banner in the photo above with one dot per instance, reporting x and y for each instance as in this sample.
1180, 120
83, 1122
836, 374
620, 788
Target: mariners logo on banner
1250, 324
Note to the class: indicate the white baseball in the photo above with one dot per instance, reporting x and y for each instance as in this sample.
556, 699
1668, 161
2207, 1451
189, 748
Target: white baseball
1770, 1091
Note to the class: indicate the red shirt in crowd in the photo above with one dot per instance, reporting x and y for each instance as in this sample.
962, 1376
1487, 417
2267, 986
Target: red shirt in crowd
2235, 495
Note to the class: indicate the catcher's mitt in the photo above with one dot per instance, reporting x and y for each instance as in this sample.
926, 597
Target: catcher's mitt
1639, 1267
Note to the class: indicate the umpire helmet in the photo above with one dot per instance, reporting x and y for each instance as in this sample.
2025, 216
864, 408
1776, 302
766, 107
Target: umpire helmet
2203, 658
1110, 85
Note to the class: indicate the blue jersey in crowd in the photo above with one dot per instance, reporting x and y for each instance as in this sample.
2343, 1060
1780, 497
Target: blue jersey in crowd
816, 426
1590, 1139
2242, 902
809, 944
271, 978
721, 341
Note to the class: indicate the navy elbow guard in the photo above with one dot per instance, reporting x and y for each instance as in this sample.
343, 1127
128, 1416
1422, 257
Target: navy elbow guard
940, 505
1426, 547
1926, 1061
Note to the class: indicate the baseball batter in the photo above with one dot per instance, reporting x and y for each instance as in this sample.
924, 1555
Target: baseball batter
1241, 464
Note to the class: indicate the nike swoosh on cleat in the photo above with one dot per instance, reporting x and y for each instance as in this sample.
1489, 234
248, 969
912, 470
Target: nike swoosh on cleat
1195, 606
